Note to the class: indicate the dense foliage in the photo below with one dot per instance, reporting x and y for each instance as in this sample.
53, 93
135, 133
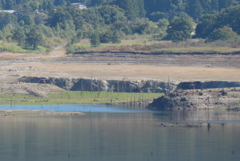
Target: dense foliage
51, 22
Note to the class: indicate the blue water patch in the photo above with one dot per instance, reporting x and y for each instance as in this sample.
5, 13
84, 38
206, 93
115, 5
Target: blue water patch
75, 108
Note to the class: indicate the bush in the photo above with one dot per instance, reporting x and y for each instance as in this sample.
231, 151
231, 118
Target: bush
225, 33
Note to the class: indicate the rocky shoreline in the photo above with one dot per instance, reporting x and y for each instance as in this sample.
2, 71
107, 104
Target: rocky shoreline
142, 86
178, 96
220, 98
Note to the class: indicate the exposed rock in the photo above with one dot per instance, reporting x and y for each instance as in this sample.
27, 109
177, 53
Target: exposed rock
193, 99
207, 85
80, 84
146, 86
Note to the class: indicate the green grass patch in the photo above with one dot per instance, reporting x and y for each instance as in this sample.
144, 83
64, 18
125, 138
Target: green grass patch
77, 97
132, 40
146, 44
13, 48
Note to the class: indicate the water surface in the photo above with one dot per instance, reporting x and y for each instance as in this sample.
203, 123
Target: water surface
117, 134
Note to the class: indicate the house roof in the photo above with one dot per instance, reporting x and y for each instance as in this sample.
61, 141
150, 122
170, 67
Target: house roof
9, 11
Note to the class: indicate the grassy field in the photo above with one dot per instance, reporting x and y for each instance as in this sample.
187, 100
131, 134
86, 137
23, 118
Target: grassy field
133, 40
13, 48
77, 97
146, 44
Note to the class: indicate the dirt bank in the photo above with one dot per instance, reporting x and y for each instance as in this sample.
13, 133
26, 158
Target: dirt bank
171, 68
227, 98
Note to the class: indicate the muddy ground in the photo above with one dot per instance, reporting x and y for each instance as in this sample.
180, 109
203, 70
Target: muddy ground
112, 66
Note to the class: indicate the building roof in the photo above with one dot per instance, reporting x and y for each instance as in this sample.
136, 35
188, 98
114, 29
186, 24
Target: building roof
9, 11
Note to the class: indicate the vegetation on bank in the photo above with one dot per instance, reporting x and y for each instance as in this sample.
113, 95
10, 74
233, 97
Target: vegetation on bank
29, 24
13, 48
78, 97
146, 45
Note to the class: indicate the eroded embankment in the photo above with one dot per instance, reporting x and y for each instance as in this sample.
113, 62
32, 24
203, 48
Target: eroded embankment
146, 86
80, 84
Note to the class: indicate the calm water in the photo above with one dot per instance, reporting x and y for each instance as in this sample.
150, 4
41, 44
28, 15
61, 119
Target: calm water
118, 134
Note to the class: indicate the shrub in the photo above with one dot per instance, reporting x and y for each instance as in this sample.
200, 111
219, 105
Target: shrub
225, 33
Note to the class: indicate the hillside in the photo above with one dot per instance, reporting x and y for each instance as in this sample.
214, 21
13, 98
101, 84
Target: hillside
28, 26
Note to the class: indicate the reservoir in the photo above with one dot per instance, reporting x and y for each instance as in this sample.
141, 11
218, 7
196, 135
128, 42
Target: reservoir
108, 133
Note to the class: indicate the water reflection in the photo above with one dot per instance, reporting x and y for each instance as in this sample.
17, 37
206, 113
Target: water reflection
79, 108
120, 136
199, 116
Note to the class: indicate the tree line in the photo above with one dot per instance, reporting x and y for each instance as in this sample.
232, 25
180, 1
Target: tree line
44, 22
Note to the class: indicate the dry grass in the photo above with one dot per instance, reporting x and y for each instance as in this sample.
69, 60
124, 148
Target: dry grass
132, 72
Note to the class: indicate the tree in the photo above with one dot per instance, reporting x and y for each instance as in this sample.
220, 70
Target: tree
60, 2
95, 39
19, 35
34, 38
180, 29
214, 6
163, 24
206, 5
115, 38
112, 14
195, 9
91, 16
226, 3
62, 18
206, 26
106, 37
144, 26
229, 17
224, 33
122, 26
7, 18
133, 8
